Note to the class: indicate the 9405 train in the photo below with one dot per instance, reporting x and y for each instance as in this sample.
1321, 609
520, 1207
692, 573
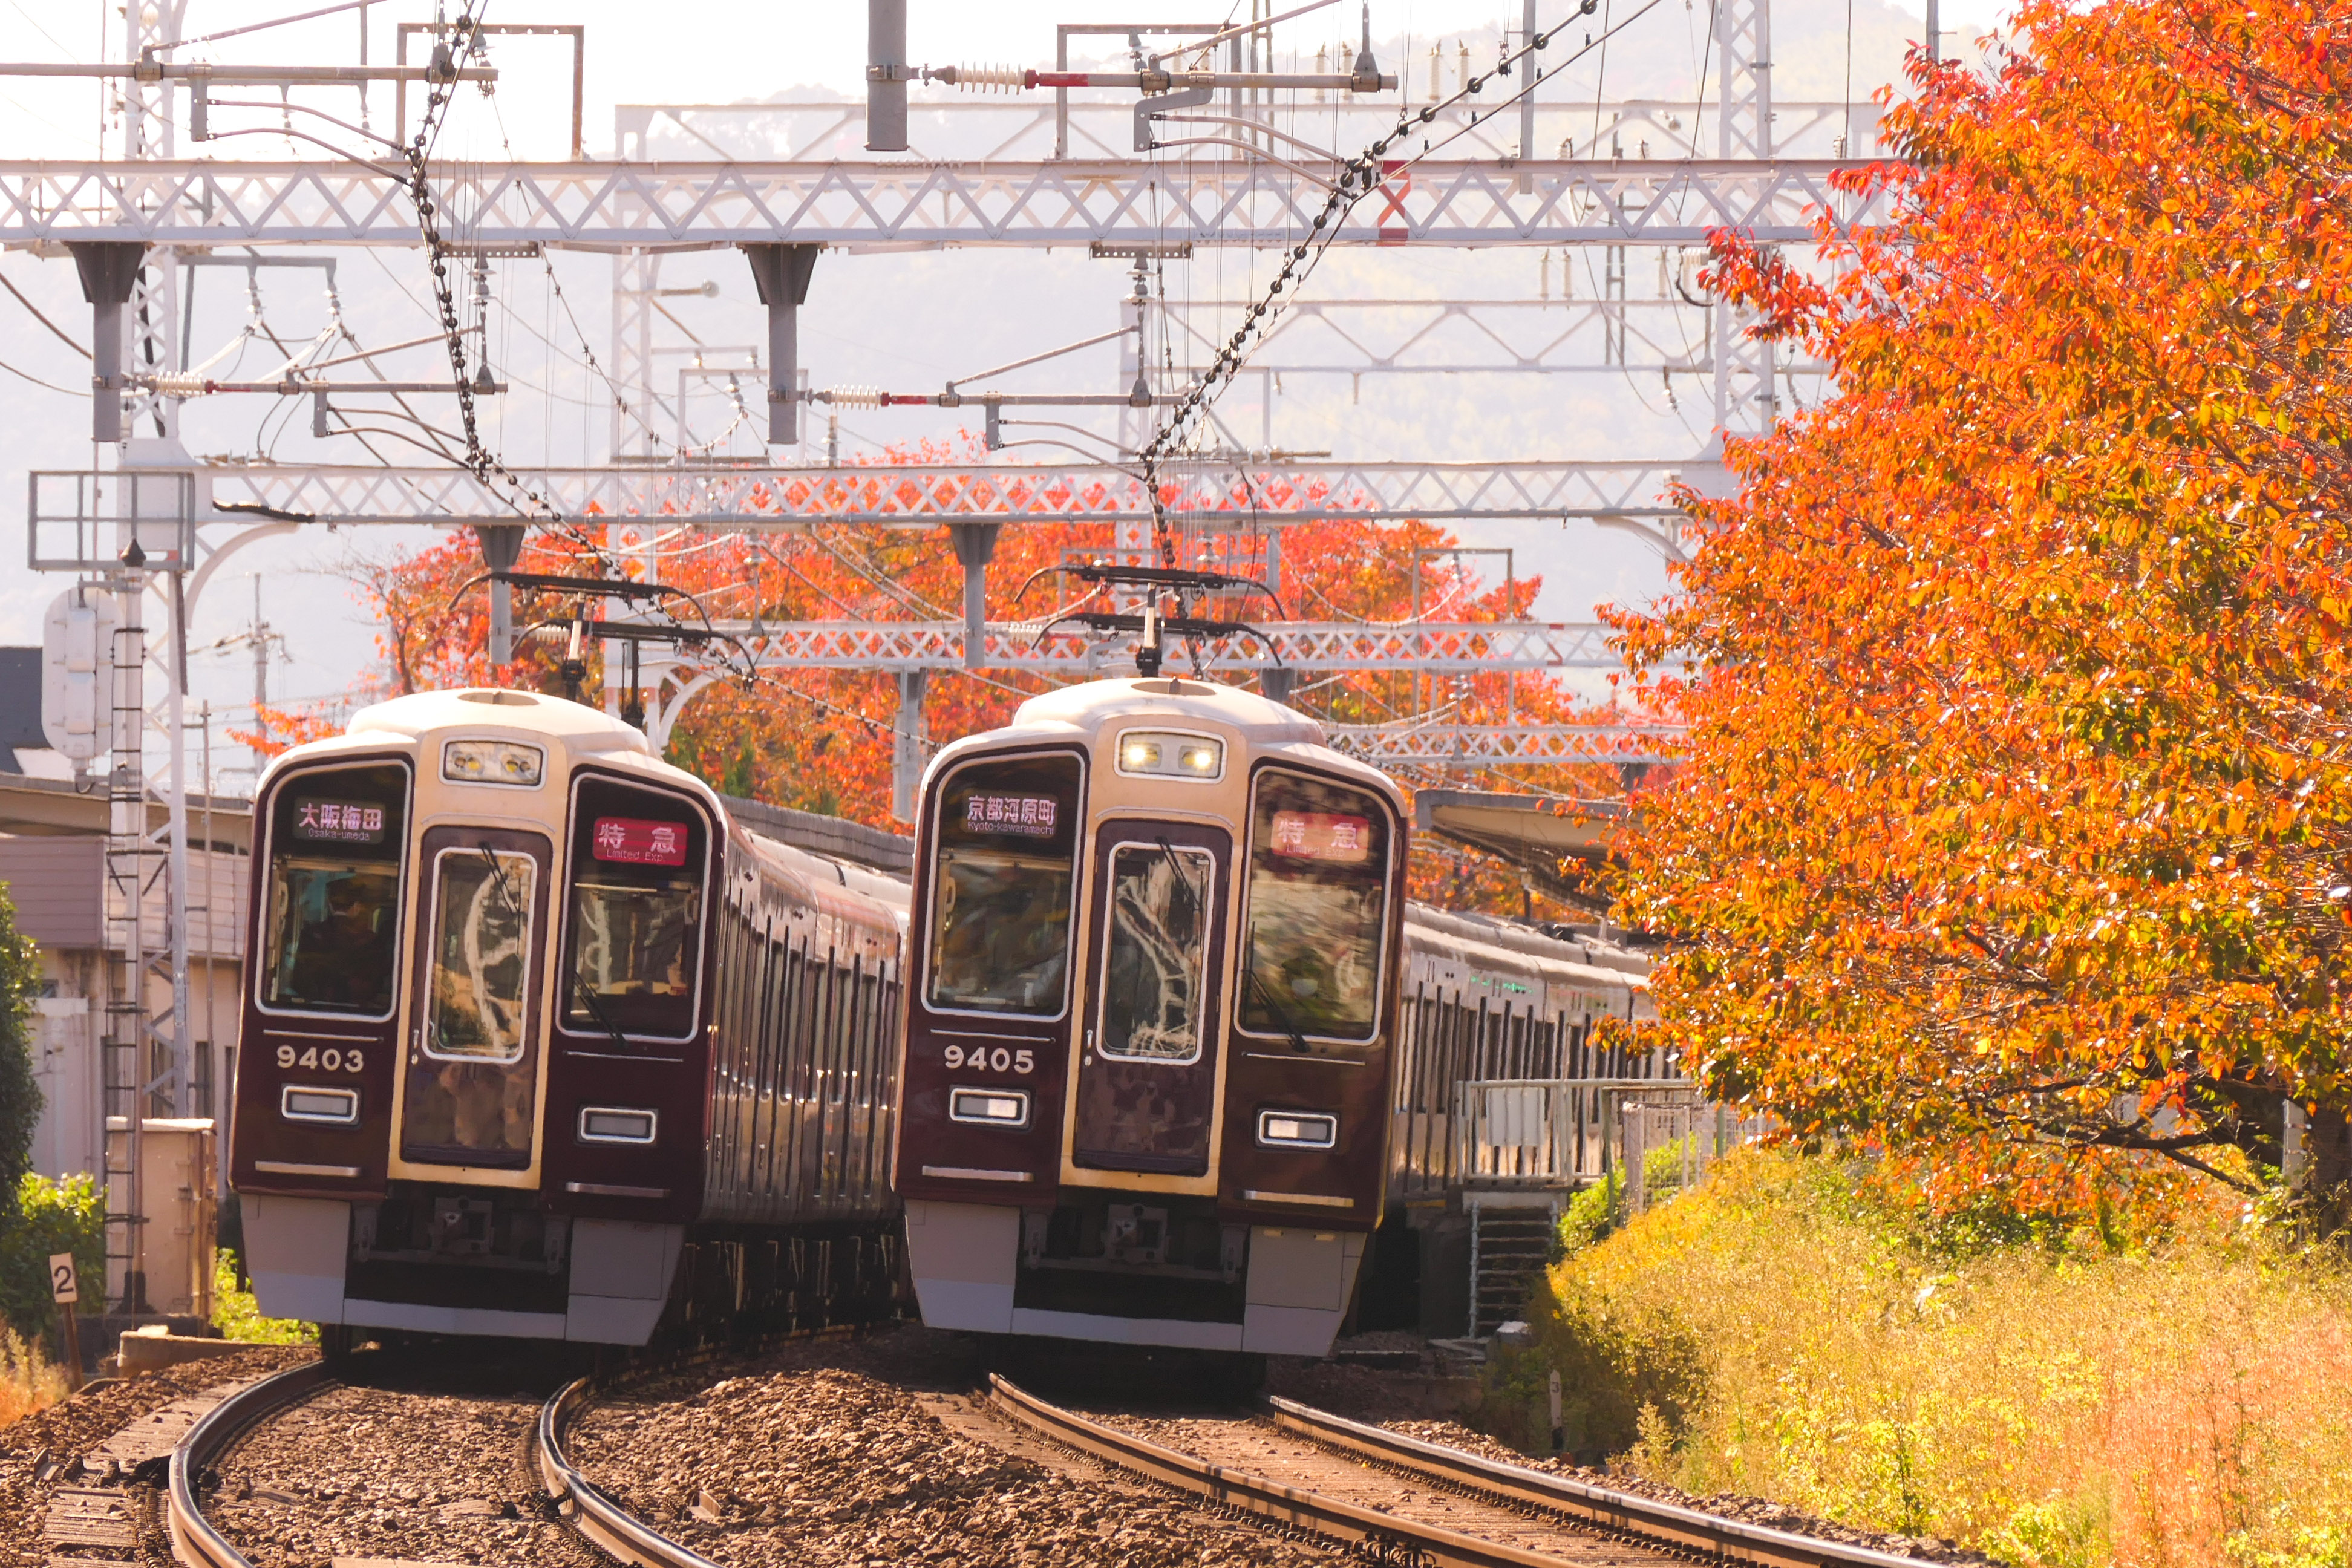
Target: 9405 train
541, 1039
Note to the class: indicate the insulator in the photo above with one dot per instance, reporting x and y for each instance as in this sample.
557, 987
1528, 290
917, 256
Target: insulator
180, 384
854, 397
1009, 77
558, 637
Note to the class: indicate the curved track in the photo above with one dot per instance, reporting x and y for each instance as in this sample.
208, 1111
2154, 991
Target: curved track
1306, 1470
1298, 1467
366, 1461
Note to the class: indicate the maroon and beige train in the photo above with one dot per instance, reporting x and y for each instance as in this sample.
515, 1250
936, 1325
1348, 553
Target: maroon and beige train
1175, 1039
532, 1023
541, 1041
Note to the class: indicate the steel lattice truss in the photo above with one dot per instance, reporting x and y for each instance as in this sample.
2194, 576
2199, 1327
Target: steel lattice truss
922, 496
908, 645
1502, 745
609, 205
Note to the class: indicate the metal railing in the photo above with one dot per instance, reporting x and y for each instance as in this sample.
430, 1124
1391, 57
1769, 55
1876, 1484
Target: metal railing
1563, 1133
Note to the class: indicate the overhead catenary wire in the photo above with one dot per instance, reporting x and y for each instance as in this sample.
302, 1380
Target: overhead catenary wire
1362, 175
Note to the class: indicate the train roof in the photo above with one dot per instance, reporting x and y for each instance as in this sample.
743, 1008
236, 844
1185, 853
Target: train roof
1072, 711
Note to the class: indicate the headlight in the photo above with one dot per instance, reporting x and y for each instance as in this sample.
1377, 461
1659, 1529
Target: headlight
338, 1106
615, 1124
1297, 1130
491, 762
1006, 1107
1157, 755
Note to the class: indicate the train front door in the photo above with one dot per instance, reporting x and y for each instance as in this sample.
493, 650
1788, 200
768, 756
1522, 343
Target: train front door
472, 1066
1148, 1069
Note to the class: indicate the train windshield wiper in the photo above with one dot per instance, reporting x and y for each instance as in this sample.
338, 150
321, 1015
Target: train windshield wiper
596, 1010
1281, 1013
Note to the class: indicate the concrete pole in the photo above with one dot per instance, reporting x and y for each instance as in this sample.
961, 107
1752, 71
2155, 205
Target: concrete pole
975, 546
908, 732
886, 76
781, 273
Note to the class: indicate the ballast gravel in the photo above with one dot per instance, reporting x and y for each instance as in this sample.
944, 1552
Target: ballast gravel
424, 1474
40, 1453
834, 1454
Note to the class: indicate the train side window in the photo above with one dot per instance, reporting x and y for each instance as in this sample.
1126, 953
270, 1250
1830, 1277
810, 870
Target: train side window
638, 861
1002, 877
1317, 912
336, 839
1153, 958
481, 955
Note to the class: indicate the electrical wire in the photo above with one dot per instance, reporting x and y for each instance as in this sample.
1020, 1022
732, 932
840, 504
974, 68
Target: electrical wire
61, 331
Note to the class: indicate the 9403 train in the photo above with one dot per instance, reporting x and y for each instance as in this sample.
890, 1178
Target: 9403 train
538, 1042
541, 1039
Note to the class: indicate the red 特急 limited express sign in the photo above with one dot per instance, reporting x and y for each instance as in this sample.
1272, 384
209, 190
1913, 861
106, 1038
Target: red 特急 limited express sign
633, 841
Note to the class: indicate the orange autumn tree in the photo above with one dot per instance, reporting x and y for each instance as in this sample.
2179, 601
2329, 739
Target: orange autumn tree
2017, 817
821, 740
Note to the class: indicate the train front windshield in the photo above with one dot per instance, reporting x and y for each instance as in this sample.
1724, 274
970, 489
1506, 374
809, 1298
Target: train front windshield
1317, 915
639, 858
336, 840
1008, 834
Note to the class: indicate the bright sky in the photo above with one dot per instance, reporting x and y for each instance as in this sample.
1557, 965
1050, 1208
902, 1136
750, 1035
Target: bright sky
888, 321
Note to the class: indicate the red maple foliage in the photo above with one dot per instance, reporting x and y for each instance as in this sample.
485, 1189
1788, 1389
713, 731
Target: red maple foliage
2017, 816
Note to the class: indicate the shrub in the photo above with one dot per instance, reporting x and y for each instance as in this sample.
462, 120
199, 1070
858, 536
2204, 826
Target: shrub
238, 1316
1781, 1331
65, 1216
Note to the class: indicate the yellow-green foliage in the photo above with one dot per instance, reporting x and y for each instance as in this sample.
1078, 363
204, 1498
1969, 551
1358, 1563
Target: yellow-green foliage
238, 1316
27, 1380
1773, 1333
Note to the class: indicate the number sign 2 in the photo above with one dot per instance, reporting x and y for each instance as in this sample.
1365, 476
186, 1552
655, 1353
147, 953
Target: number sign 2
65, 1284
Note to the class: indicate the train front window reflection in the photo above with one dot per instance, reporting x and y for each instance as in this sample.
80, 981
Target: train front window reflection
332, 924
482, 953
633, 953
1003, 941
1007, 863
1152, 961
1317, 912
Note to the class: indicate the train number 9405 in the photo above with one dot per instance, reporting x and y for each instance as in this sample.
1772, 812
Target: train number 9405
331, 1059
998, 1059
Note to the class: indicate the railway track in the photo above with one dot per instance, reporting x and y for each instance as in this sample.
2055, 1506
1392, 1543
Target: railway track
366, 1462
1293, 1466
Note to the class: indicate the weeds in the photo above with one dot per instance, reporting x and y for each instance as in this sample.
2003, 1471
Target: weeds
27, 1380
2059, 1403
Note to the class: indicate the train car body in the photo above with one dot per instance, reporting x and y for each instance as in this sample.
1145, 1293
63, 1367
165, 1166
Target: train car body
537, 1042
1154, 945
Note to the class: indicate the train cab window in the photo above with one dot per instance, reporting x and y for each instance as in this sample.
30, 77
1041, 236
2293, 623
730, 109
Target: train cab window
1154, 955
481, 955
638, 861
337, 837
1007, 857
1317, 912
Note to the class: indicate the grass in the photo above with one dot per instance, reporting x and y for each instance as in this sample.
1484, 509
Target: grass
239, 1316
28, 1381
1776, 1333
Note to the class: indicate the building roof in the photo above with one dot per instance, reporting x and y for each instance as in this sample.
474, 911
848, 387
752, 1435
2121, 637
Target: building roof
20, 705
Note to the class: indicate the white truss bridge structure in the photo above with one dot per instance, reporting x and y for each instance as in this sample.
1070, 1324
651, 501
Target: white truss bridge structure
615, 206
1228, 495
899, 647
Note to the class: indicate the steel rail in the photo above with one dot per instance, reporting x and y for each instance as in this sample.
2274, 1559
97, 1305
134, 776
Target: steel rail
604, 1523
1401, 1540
194, 1541
1710, 1536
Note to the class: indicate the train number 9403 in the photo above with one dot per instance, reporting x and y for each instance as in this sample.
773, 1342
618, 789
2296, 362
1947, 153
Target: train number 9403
998, 1059
331, 1059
